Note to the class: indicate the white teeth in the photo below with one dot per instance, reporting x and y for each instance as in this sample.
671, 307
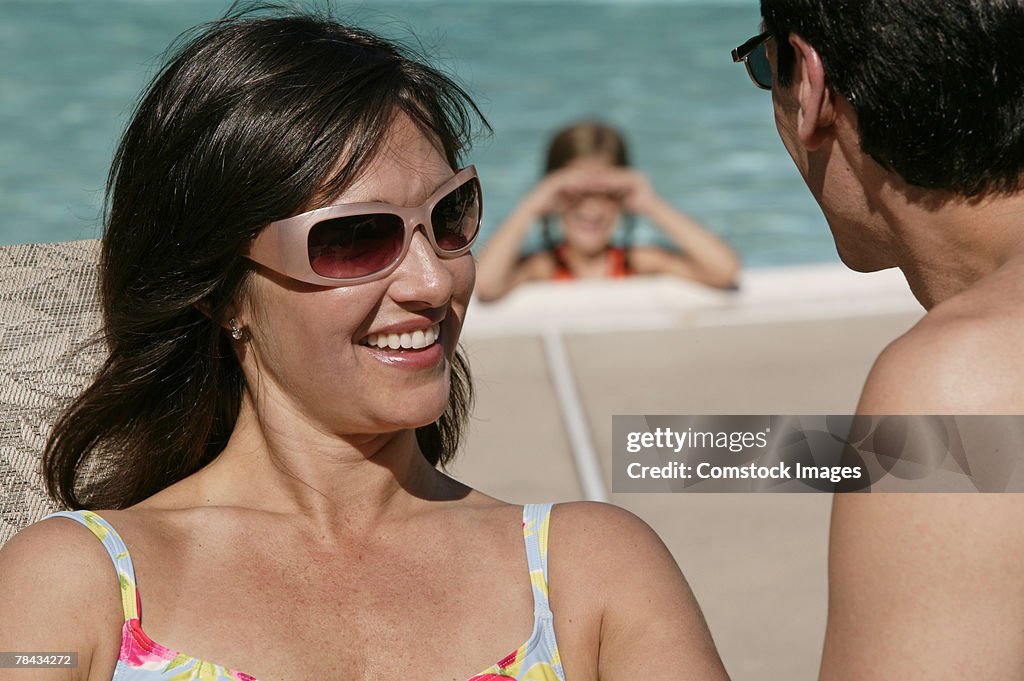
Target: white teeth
415, 340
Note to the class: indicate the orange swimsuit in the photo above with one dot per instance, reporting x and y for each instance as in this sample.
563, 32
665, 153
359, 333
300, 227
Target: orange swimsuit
617, 265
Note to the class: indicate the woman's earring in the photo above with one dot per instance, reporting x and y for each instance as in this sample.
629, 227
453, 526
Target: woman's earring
236, 330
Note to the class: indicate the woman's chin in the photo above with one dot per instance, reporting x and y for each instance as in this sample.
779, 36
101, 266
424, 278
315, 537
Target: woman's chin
416, 413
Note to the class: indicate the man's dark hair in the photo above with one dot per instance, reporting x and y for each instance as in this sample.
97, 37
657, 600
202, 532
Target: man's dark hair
938, 86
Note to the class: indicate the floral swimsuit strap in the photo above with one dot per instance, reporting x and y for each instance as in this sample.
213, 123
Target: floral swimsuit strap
130, 603
538, 659
536, 522
140, 658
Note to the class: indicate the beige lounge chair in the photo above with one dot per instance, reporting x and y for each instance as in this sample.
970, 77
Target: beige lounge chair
49, 310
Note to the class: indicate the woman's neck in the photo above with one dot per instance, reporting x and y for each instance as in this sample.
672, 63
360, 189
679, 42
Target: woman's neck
338, 485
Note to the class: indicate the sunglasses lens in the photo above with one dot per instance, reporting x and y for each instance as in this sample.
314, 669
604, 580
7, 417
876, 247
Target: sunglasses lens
456, 217
355, 246
760, 69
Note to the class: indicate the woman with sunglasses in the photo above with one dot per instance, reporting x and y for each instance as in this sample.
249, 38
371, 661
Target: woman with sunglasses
285, 272
591, 190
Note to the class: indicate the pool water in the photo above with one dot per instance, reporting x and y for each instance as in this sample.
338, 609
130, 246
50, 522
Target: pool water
70, 73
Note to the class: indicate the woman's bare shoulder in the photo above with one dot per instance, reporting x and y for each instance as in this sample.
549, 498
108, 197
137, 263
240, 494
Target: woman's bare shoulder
614, 544
624, 579
603, 516
58, 552
60, 591
581, 527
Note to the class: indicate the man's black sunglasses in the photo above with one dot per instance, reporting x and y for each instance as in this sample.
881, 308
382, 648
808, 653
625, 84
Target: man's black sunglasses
754, 54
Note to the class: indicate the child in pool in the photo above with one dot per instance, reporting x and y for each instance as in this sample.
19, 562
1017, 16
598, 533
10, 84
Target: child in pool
589, 186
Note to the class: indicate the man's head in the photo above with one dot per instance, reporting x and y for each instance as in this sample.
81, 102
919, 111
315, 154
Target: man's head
932, 91
937, 85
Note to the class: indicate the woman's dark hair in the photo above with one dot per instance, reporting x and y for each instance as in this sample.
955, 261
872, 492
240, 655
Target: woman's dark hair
243, 126
938, 87
586, 139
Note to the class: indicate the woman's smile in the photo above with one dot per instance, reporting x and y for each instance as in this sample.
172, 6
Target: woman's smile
417, 348
404, 340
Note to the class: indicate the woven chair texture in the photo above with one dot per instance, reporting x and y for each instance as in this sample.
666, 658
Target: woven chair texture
49, 313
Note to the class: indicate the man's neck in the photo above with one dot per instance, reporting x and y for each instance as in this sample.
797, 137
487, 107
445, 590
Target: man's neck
946, 246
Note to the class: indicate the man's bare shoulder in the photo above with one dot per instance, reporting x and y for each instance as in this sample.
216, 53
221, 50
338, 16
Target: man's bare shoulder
963, 357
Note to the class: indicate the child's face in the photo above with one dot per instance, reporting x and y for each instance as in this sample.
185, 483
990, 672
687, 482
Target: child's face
589, 218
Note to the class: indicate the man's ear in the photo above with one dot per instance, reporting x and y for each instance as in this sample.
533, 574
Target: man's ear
817, 111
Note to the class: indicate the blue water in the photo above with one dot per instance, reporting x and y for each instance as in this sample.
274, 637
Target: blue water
70, 71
